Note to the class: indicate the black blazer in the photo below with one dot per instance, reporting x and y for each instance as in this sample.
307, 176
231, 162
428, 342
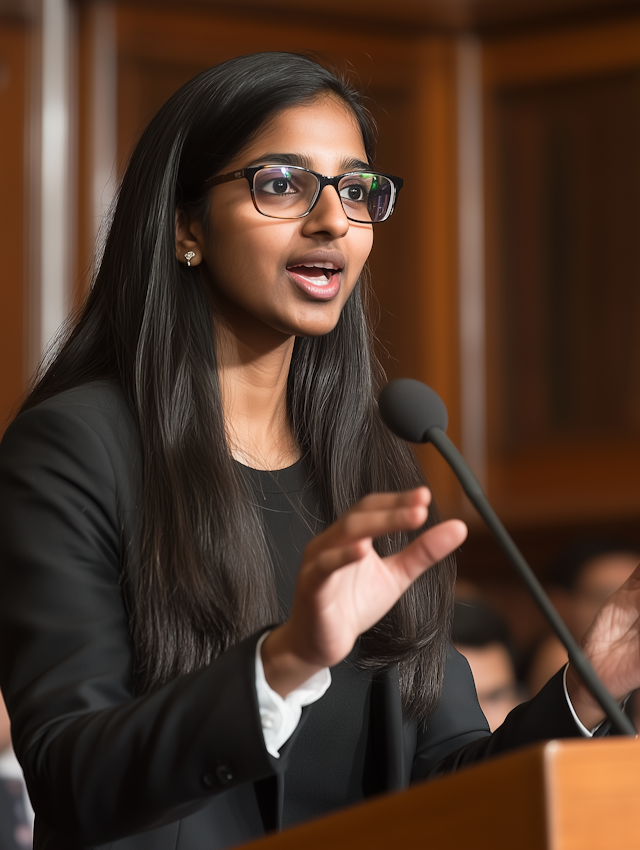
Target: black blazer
186, 767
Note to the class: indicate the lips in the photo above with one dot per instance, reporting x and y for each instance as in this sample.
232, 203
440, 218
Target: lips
314, 274
318, 274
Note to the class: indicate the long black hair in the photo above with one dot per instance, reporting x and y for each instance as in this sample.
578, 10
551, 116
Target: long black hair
204, 580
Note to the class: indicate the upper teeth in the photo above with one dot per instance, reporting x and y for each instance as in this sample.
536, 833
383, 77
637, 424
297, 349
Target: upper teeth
319, 266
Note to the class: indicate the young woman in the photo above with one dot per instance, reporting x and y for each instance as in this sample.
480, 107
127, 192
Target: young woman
202, 513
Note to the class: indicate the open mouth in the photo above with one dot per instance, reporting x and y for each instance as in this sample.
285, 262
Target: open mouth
317, 274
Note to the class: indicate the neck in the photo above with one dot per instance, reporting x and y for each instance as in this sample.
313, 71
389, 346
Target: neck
253, 369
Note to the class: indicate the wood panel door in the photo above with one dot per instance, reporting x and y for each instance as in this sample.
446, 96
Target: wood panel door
563, 273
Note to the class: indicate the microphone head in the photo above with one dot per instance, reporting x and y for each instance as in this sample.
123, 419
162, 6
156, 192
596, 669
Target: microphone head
410, 408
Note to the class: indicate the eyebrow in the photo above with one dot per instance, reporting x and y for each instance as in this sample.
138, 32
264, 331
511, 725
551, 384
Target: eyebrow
349, 164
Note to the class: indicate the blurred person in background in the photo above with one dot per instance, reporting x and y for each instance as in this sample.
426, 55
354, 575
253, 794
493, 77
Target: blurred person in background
16, 814
581, 580
482, 637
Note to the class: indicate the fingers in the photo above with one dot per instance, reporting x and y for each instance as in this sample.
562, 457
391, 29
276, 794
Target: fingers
331, 560
373, 516
431, 547
405, 497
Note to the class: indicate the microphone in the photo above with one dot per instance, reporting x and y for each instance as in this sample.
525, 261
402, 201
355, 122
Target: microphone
416, 413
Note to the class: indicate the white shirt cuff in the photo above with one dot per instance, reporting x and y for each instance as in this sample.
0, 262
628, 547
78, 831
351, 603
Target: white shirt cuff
280, 716
579, 723
581, 726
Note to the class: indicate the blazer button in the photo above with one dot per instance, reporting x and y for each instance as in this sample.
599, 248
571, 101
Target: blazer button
208, 780
223, 774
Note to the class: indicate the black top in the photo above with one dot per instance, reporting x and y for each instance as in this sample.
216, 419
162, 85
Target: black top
330, 751
291, 516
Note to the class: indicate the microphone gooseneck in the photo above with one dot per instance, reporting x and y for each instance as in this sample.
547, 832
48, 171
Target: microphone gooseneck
416, 413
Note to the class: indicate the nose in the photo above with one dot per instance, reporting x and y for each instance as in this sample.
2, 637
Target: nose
328, 215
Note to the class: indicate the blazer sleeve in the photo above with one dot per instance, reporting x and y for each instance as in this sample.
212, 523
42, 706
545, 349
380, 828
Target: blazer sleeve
99, 763
457, 734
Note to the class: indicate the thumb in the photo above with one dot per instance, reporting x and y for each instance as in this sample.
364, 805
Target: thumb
431, 547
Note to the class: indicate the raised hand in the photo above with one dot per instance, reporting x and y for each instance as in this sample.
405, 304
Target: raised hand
612, 645
344, 587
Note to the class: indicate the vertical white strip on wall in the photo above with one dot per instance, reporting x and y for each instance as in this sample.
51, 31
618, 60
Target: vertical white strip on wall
104, 106
471, 256
55, 207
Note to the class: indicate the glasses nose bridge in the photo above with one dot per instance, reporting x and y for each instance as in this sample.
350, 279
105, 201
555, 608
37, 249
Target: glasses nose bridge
323, 182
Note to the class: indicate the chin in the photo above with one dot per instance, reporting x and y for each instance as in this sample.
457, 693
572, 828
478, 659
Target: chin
315, 329
317, 325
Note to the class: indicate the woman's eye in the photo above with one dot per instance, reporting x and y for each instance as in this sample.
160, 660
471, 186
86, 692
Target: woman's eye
278, 183
277, 186
354, 193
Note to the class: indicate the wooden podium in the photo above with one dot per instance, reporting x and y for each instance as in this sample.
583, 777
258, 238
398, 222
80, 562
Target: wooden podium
562, 795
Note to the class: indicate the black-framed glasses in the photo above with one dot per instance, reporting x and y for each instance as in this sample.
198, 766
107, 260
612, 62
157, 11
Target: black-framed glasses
290, 191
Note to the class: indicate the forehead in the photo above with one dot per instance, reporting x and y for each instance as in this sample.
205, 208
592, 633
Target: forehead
323, 131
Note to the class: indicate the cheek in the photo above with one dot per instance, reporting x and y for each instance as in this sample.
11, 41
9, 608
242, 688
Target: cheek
360, 248
363, 238
239, 254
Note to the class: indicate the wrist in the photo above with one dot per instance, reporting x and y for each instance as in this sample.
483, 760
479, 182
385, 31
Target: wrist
587, 708
284, 669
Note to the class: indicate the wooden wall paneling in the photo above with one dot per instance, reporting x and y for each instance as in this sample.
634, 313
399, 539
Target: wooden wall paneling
52, 174
412, 81
587, 466
550, 55
14, 100
572, 170
97, 131
451, 16
86, 227
85, 231
414, 264
161, 49
435, 250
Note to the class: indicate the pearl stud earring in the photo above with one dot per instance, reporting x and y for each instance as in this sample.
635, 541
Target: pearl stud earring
189, 256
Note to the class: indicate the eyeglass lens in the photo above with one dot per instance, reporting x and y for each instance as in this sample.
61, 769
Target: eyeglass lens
289, 192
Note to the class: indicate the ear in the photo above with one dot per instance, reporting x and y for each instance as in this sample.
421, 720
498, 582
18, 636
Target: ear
188, 239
